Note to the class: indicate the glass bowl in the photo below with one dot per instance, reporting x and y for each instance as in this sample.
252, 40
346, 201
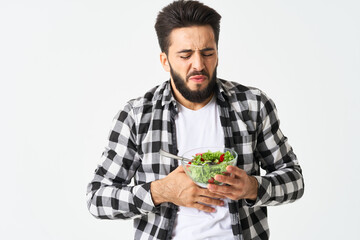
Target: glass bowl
202, 175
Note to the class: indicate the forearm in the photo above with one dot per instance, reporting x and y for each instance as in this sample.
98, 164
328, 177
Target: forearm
110, 195
113, 202
283, 182
279, 187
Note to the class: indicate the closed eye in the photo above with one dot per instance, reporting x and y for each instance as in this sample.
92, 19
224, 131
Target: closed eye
208, 55
203, 54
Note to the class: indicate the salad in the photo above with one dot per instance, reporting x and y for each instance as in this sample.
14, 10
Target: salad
204, 166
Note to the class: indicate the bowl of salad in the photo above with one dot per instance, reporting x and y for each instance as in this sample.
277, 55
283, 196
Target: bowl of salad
205, 163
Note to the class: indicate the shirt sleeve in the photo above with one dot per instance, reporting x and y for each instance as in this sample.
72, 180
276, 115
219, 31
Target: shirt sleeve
110, 194
283, 182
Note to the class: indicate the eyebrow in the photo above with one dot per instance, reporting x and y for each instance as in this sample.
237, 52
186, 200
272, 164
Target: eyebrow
190, 50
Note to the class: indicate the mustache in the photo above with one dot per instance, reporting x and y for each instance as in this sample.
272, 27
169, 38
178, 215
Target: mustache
194, 73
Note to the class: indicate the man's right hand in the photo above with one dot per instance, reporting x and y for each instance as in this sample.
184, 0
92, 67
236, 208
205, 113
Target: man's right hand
179, 189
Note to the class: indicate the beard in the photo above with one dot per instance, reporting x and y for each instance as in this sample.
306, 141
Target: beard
197, 96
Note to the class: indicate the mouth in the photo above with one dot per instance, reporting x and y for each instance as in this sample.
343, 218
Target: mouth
198, 78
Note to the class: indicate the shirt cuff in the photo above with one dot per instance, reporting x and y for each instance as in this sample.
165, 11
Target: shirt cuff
143, 200
264, 193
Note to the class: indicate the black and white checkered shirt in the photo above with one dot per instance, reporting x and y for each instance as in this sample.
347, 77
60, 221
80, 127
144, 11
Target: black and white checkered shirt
146, 124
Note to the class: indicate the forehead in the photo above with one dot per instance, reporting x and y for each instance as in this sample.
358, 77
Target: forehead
194, 37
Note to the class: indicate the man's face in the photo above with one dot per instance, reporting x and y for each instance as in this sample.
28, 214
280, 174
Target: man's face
192, 60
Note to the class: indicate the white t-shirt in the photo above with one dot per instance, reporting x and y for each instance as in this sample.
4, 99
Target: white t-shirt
195, 129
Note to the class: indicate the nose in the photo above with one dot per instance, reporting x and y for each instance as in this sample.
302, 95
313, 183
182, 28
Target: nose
198, 62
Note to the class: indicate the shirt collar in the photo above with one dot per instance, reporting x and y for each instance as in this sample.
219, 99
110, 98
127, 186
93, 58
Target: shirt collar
220, 91
164, 94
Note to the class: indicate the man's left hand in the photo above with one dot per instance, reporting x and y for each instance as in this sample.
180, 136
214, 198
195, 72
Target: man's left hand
239, 185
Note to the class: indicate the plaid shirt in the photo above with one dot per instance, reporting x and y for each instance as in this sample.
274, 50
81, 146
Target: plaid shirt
146, 124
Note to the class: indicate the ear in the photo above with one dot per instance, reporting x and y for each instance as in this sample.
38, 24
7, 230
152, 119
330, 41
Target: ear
164, 62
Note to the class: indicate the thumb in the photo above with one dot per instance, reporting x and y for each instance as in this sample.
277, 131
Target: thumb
179, 169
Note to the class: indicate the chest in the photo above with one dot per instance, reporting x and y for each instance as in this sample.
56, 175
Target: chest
224, 126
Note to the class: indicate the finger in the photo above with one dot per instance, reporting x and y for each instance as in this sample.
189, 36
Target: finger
179, 169
210, 201
231, 180
235, 170
204, 208
227, 174
205, 192
227, 191
221, 190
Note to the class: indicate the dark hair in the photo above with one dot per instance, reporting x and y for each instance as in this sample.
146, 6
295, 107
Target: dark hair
184, 13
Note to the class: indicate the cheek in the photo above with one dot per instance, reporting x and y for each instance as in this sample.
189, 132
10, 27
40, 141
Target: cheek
212, 63
184, 70
180, 66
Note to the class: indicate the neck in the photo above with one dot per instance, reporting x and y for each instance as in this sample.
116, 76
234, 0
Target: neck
186, 103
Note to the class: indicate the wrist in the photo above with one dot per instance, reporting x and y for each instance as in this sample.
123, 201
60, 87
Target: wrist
254, 188
156, 193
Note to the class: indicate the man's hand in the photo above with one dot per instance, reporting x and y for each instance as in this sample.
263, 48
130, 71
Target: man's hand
241, 185
179, 189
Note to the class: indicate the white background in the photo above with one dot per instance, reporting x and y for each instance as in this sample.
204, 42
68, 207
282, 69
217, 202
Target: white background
67, 67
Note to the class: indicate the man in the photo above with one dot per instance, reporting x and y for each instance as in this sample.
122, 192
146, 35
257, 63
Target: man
194, 109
